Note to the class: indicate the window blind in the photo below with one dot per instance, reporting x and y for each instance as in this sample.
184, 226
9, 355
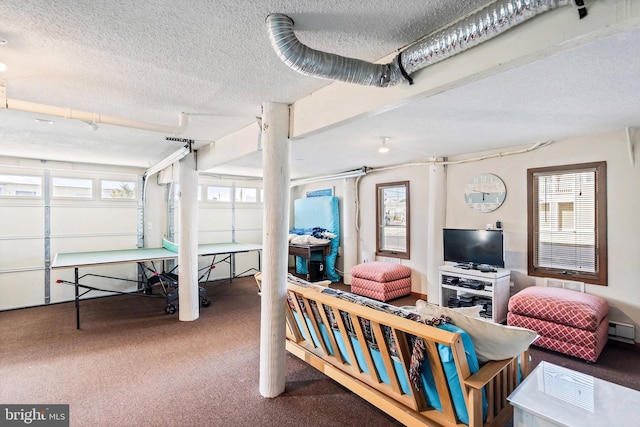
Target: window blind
565, 237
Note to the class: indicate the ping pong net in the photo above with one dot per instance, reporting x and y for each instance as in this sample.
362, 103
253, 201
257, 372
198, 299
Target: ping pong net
170, 246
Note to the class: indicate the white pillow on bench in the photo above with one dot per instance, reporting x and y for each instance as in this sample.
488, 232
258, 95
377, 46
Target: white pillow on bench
492, 341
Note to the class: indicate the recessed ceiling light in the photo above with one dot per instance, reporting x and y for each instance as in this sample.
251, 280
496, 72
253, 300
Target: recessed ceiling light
3, 41
44, 121
383, 148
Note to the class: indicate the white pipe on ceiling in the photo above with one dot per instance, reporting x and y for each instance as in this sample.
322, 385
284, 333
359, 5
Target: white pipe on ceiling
95, 118
342, 175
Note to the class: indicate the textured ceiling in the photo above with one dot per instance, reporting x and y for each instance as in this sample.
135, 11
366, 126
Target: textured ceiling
151, 60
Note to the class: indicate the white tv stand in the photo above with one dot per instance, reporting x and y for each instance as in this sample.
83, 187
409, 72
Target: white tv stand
496, 292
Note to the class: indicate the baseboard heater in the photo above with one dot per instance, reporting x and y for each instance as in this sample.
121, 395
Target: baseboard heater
621, 331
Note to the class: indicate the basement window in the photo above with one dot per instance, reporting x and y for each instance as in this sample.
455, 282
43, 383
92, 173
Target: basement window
20, 186
218, 194
392, 218
118, 189
73, 188
567, 222
246, 195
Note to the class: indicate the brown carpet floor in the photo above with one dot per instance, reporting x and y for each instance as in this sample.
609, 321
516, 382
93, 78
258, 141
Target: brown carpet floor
133, 365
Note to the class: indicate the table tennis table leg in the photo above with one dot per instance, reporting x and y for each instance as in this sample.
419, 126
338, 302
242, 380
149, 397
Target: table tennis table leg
232, 267
77, 284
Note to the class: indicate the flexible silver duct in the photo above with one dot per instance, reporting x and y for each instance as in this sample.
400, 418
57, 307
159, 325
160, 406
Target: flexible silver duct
483, 25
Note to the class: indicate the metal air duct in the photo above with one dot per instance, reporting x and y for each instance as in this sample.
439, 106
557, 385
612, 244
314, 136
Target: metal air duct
483, 25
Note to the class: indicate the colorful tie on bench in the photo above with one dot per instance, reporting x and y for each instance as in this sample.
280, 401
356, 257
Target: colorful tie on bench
417, 354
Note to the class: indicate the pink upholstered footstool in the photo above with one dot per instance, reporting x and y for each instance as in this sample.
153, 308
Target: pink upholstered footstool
568, 322
379, 280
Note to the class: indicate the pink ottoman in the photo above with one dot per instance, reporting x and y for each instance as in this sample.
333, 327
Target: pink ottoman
379, 280
568, 322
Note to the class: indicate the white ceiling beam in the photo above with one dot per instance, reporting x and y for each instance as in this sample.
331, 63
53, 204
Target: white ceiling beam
229, 148
341, 103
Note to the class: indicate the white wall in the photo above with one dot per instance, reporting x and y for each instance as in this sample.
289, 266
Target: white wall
155, 213
418, 177
623, 205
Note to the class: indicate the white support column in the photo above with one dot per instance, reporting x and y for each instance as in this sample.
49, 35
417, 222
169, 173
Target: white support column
188, 240
349, 233
275, 247
436, 211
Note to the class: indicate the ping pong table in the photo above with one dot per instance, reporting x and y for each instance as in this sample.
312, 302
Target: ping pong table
76, 260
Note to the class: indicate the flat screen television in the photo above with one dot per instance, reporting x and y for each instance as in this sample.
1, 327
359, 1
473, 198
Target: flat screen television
474, 248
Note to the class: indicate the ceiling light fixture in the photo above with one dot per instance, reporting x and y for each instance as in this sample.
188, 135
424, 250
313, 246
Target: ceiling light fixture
383, 148
47, 121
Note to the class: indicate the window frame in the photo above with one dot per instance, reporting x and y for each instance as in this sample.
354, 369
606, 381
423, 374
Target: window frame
380, 226
100, 190
206, 193
239, 189
599, 277
53, 186
40, 188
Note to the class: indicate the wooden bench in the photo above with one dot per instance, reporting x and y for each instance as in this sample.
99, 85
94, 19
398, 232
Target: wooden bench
380, 373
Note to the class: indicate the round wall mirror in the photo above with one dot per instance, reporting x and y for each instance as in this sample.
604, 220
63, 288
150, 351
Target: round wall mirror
485, 192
